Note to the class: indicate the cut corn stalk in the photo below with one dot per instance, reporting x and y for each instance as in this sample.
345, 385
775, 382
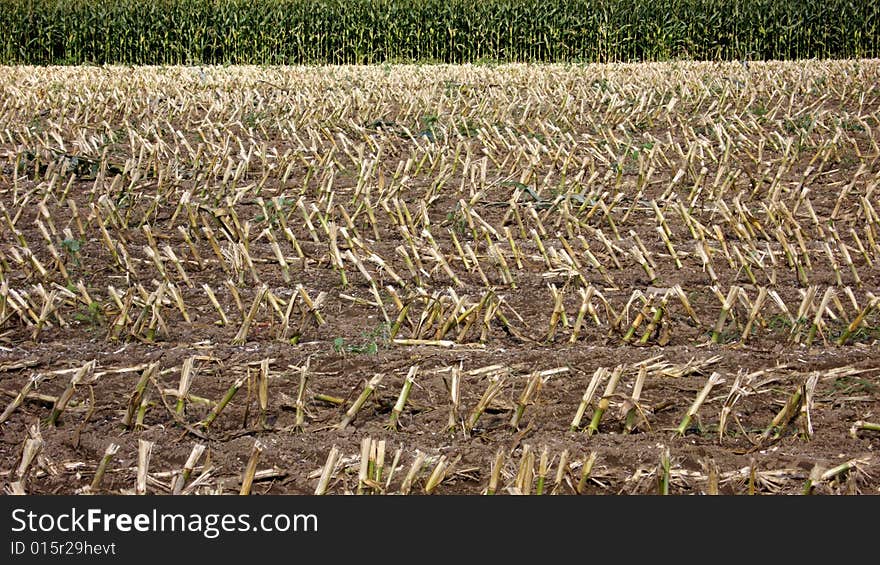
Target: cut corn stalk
364, 468
855, 324
785, 415
301, 394
145, 451
186, 376
725, 311
492, 390
247, 479
586, 471
413, 472
664, 472
393, 422
562, 470
241, 337
137, 395
218, 408
19, 398
495, 472
111, 450
598, 376
533, 386
327, 471
30, 450
84, 372
713, 380
605, 401
454, 398
543, 469
263, 391
631, 408
862, 425
440, 472
525, 473
181, 479
351, 413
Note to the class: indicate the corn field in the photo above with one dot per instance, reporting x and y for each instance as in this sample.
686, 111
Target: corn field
273, 32
410, 279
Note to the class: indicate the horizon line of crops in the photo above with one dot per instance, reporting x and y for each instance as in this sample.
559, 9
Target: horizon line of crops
458, 31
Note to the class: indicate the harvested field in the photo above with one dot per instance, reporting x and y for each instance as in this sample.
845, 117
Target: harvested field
512, 279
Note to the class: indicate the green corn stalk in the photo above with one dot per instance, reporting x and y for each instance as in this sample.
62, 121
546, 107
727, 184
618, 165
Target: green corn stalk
586, 471
359, 402
209, 419
111, 450
543, 465
663, 472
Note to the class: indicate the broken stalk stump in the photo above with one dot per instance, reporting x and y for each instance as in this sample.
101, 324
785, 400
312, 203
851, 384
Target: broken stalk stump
111, 450
605, 401
209, 419
393, 422
250, 470
84, 372
358, 404
713, 380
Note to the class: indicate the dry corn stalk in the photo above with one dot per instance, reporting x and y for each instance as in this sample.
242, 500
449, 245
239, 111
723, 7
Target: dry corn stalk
137, 396
250, 470
492, 390
525, 473
598, 376
393, 422
145, 451
562, 469
495, 472
218, 408
741, 387
249, 318
440, 472
263, 391
528, 395
186, 377
301, 394
454, 398
713, 380
862, 425
586, 471
30, 450
605, 401
181, 479
327, 471
413, 472
111, 450
351, 413
664, 471
19, 398
84, 372
631, 408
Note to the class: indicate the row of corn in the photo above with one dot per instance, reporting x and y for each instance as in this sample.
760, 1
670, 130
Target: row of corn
374, 31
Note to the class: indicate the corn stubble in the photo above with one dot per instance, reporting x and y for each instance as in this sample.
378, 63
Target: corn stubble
620, 219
